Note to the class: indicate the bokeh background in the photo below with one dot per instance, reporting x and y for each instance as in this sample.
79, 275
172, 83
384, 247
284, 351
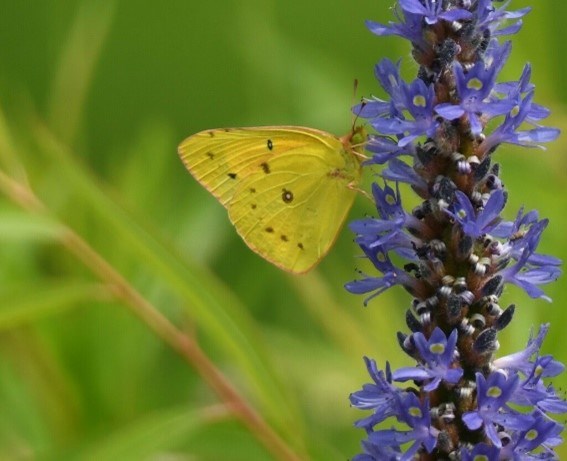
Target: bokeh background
94, 97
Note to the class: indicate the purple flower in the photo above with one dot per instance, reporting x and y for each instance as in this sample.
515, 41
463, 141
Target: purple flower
480, 451
474, 88
515, 229
385, 149
374, 232
438, 355
521, 94
529, 272
416, 415
392, 276
388, 74
433, 11
410, 27
476, 224
377, 452
491, 18
381, 396
541, 433
391, 117
453, 252
399, 171
532, 391
493, 394
417, 100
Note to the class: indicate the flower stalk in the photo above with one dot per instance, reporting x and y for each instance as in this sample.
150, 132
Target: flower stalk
438, 134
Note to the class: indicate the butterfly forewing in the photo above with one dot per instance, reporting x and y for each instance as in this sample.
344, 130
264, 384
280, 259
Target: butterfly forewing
219, 158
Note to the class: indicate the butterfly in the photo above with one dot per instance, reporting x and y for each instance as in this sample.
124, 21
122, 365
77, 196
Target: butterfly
287, 189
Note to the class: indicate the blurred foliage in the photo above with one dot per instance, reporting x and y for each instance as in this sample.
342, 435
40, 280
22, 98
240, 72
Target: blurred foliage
94, 97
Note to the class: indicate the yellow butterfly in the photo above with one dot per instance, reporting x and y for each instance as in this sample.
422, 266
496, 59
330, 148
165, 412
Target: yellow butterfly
287, 189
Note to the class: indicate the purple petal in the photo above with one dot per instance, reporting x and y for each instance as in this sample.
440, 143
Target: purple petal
449, 111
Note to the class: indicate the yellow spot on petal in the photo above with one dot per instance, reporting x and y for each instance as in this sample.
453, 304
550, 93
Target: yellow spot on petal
437, 348
474, 84
531, 435
494, 391
415, 412
419, 101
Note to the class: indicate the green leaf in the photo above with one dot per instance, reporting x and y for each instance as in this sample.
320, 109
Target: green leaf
154, 434
18, 225
26, 305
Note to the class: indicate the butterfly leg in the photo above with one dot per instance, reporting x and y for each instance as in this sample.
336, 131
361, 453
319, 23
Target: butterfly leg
354, 186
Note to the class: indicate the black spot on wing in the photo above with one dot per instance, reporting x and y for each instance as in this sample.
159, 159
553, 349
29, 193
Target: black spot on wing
269, 230
232, 175
270, 144
210, 155
300, 246
284, 238
265, 167
287, 196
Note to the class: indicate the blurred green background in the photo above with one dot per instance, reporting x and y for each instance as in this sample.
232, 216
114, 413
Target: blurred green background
94, 98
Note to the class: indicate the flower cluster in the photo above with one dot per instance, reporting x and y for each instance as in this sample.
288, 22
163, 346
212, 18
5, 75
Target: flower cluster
438, 133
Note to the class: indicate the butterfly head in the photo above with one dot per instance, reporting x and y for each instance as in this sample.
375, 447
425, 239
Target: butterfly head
355, 141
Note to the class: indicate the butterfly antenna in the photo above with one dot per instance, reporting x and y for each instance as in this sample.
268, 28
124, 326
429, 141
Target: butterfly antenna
354, 90
354, 129
355, 114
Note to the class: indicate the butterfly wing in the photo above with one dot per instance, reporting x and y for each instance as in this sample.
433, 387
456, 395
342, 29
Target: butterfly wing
220, 158
287, 189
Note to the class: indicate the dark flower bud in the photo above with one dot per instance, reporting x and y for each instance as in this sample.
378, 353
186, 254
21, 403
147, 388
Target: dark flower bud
454, 306
482, 170
465, 247
411, 322
423, 210
493, 286
426, 153
443, 189
444, 442
486, 341
505, 318
446, 53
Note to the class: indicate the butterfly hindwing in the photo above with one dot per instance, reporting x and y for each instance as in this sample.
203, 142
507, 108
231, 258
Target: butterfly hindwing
303, 205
